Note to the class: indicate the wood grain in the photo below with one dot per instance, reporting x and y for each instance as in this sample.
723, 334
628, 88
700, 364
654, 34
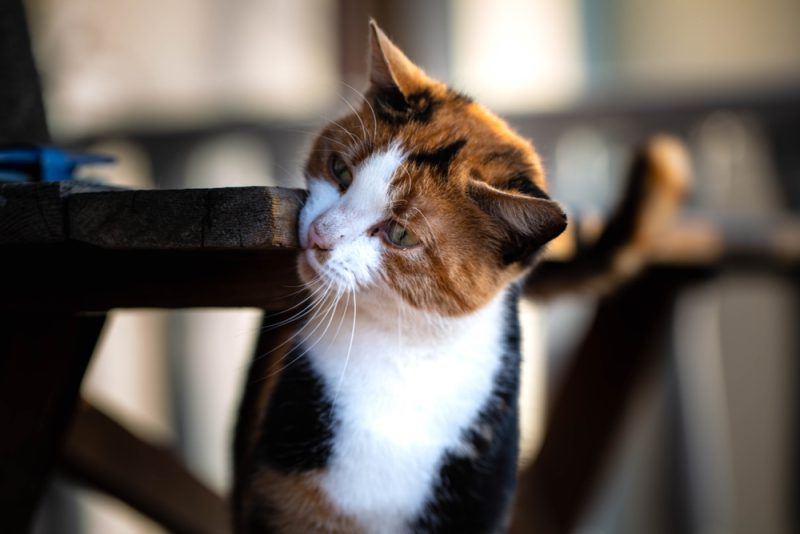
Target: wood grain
253, 218
190, 219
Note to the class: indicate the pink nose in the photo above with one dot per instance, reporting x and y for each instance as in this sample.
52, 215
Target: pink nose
315, 241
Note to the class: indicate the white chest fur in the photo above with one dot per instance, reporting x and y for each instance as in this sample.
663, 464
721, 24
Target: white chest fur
404, 402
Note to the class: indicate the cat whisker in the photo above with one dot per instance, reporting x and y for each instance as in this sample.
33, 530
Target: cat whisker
348, 132
425, 220
301, 287
366, 101
363, 128
332, 311
315, 308
349, 350
341, 321
296, 317
316, 287
316, 134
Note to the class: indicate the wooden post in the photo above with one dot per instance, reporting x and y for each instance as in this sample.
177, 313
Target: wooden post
151, 479
43, 356
42, 362
611, 361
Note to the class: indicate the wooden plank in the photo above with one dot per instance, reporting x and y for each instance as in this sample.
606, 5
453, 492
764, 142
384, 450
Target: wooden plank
100, 451
36, 212
31, 213
187, 219
190, 219
42, 361
74, 277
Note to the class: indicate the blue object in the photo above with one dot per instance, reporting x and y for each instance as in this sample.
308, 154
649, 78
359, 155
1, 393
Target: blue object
43, 163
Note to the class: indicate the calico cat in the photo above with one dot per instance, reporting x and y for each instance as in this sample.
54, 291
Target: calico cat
393, 407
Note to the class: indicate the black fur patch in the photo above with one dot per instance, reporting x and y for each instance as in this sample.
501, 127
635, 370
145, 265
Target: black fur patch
524, 184
460, 97
440, 159
523, 249
298, 427
393, 107
474, 492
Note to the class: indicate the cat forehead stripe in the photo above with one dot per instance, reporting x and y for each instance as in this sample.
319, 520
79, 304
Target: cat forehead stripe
392, 107
439, 159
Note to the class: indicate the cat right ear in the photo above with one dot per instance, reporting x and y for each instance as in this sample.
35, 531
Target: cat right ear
389, 68
528, 222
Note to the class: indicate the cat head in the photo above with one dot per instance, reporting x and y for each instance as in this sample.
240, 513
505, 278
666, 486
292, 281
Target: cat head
423, 194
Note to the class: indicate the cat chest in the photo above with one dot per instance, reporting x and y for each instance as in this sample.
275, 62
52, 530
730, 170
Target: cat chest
398, 417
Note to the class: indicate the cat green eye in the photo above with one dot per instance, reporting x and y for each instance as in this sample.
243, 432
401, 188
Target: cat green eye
341, 172
401, 236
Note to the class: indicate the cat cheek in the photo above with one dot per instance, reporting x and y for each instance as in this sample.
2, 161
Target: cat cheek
322, 195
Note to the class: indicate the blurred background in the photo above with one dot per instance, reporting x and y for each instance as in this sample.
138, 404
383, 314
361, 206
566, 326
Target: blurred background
213, 93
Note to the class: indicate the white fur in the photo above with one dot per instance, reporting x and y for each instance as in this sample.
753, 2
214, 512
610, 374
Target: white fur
345, 220
409, 391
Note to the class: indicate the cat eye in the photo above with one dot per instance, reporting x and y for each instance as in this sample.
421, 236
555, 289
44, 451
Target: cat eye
341, 172
401, 236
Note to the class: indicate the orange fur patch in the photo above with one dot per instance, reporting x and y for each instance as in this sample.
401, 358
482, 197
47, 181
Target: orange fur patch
296, 504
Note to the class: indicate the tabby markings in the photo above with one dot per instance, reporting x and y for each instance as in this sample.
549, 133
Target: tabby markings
440, 159
393, 107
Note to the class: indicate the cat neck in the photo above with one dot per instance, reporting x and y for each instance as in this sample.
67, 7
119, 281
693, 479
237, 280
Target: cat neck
375, 314
375, 337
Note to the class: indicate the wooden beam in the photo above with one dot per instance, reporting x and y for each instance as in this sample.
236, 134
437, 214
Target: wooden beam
151, 479
73, 277
42, 361
254, 218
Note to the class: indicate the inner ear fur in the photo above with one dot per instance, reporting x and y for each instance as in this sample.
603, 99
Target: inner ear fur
528, 222
389, 68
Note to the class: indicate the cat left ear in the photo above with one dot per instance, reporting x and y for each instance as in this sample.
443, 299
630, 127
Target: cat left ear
529, 222
389, 68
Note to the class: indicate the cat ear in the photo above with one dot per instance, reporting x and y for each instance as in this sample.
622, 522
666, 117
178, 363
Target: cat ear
528, 222
389, 68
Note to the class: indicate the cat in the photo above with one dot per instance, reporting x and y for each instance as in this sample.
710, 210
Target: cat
393, 407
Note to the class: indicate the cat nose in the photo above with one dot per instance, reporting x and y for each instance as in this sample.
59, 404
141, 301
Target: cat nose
315, 241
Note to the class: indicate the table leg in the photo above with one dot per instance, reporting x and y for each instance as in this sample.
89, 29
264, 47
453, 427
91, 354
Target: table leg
42, 362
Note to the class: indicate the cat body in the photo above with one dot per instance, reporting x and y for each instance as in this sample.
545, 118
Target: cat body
393, 408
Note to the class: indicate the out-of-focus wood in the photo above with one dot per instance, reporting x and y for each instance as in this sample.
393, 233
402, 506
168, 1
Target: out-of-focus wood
42, 361
22, 117
100, 451
696, 240
271, 348
624, 341
657, 182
